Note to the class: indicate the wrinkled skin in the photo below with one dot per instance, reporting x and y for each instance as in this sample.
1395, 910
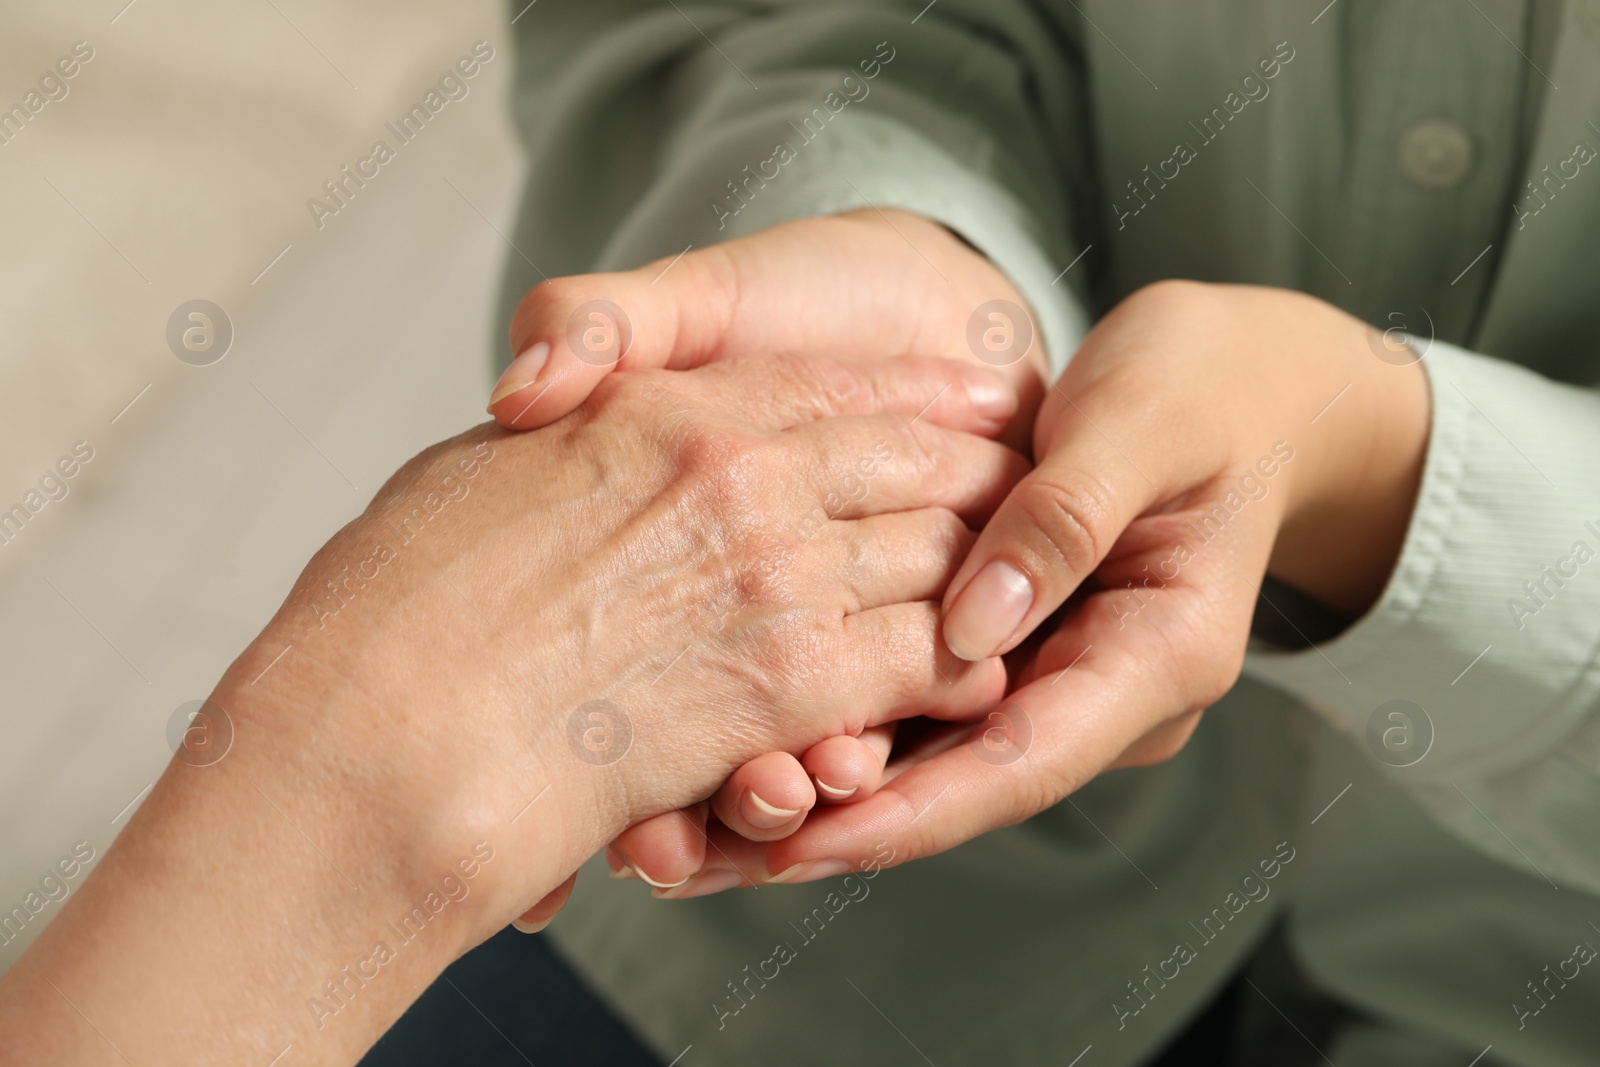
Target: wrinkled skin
403, 735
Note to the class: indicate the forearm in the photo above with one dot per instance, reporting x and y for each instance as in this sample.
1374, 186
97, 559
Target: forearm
253, 904
423, 741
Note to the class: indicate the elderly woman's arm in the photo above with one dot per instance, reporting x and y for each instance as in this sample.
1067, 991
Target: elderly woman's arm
523, 645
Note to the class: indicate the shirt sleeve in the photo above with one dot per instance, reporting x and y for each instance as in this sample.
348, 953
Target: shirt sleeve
655, 128
1474, 676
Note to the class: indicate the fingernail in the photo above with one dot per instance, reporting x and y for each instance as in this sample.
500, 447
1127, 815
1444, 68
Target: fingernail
988, 611
764, 815
989, 394
659, 885
834, 794
523, 372
530, 928
624, 871
810, 872
700, 885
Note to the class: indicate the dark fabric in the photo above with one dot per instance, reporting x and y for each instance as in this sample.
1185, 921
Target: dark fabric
1242, 1028
509, 1002
1288, 620
512, 1001
1212, 1039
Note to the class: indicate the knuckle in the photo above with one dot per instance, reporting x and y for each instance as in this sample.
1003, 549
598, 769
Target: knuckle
908, 656
915, 447
830, 385
797, 650
726, 468
429, 469
763, 570
568, 305
950, 537
1076, 516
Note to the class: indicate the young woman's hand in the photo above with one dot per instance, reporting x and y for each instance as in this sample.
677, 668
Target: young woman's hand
861, 286
1203, 436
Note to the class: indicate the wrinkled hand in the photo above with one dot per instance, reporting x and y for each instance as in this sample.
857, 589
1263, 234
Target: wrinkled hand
523, 645
679, 550
860, 287
1201, 437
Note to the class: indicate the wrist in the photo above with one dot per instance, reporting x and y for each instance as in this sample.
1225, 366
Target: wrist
365, 752
253, 907
1346, 524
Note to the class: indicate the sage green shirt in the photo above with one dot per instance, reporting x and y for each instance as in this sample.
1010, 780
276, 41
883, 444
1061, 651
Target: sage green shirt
1429, 166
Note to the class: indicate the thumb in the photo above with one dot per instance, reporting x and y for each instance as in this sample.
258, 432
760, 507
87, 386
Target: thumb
850, 287
1054, 528
569, 333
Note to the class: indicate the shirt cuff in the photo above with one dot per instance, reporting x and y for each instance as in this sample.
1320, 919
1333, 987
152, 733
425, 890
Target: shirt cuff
1490, 621
859, 161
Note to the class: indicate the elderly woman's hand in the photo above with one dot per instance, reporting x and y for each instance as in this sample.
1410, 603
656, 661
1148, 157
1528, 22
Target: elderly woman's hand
526, 643
861, 287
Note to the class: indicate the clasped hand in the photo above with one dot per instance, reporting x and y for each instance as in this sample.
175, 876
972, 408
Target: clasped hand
1202, 437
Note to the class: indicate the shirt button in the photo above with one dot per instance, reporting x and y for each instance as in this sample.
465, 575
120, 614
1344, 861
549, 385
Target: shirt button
1436, 154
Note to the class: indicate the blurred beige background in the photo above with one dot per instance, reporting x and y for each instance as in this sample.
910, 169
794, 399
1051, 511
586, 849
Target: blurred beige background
177, 167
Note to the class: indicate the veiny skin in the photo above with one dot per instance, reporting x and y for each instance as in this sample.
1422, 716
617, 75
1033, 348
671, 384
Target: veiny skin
641, 551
